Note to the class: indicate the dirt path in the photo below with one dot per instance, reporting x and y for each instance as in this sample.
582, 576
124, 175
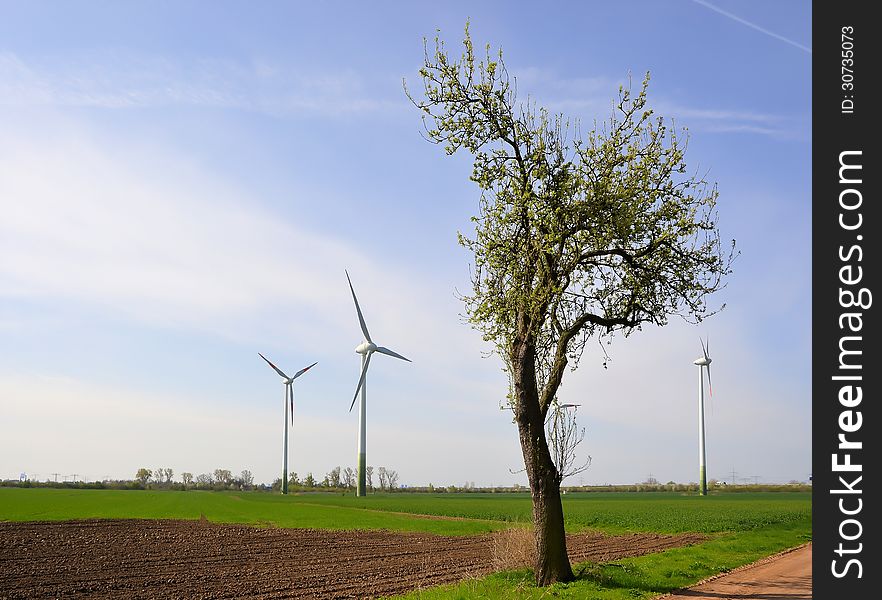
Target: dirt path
785, 576
189, 559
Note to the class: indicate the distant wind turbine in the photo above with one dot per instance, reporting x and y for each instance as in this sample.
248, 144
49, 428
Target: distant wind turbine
704, 361
366, 349
289, 393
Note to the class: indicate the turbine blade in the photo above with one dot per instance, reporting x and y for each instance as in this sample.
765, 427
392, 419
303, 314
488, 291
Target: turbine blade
703, 348
303, 370
710, 385
277, 369
388, 352
364, 369
364, 329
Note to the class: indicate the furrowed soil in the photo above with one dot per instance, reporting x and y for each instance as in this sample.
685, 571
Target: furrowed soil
200, 560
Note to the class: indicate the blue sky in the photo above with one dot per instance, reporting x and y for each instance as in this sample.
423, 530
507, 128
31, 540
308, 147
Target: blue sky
182, 185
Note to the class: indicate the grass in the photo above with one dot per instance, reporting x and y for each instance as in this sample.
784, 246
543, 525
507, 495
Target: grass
611, 512
630, 578
261, 509
742, 527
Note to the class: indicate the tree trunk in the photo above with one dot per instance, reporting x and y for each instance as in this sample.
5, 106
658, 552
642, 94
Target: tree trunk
552, 561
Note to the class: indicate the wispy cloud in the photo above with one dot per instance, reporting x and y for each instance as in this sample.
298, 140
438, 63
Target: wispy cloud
82, 419
754, 26
138, 82
137, 236
145, 237
593, 97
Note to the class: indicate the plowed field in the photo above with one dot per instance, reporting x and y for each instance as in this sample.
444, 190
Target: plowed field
192, 559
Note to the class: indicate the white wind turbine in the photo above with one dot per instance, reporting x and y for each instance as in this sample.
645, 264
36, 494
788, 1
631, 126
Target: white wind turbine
366, 349
704, 361
289, 393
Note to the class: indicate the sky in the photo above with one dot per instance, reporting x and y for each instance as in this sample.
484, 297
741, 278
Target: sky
182, 185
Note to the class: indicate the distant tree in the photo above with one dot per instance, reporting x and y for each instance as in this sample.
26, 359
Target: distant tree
392, 479
348, 477
369, 477
277, 484
187, 478
293, 480
223, 477
309, 481
334, 477
169, 474
143, 476
381, 474
578, 236
247, 478
204, 480
564, 436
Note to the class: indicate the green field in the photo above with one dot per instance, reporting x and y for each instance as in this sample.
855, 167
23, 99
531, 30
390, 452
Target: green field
251, 508
741, 527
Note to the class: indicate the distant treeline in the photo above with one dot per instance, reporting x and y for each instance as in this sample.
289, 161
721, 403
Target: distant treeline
324, 487
636, 487
128, 485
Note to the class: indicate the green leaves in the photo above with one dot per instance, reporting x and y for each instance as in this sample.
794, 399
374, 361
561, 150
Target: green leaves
576, 236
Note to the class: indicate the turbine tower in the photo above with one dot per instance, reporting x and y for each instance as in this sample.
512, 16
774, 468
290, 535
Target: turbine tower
366, 349
702, 362
289, 393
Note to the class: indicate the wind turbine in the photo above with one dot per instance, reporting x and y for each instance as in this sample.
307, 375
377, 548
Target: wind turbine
289, 393
702, 362
366, 349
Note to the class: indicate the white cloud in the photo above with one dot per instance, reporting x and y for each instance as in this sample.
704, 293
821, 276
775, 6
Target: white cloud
148, 238
153, 241
66, 425
117, 81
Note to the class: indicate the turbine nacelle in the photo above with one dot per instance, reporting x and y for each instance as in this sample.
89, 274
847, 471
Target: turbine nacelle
705, 361
288, 383
366, 347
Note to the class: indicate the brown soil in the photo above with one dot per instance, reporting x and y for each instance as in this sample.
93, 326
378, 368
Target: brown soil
192, 559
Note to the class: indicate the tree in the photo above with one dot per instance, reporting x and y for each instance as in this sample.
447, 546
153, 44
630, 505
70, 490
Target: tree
381, 474
293, 480
163, 475
223, 477
334, 477
204, 480
577, 237
186, 478
564, 436
348, 477
392, 479
143, 475
247, 478
309, 481
369, 477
